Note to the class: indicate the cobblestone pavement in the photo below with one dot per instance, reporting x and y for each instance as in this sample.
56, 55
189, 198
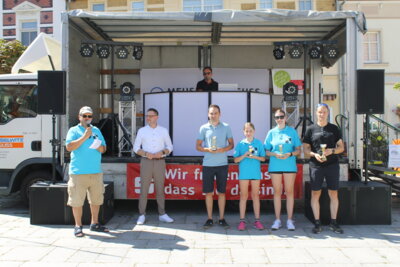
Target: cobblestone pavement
185, 243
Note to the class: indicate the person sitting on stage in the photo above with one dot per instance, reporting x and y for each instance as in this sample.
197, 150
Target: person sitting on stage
207, 84
153, 143
322, 143
86, 144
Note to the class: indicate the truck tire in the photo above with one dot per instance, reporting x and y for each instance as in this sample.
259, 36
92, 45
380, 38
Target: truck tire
30, 179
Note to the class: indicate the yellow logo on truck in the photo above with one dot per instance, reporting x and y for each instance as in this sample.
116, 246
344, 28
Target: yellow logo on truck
11, 141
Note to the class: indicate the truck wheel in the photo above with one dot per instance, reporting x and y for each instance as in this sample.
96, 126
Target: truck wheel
29, 180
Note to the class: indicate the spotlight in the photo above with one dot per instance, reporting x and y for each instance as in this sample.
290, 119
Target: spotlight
331, 52
279, 53
103, 51
296, 51
86, 50
122, 52
315, 52
137, 52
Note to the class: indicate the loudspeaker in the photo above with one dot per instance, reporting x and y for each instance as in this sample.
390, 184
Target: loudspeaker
359, 203
51, 92
370, 91
48, 204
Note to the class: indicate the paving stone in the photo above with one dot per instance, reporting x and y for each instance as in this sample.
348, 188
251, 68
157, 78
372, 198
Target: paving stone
218, 256
328, 255
190, 256
289, 255
145, 255
364, 255
218, 244
25, 253
249, 255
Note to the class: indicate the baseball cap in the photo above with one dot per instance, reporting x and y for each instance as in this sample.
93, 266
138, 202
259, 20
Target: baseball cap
85, 109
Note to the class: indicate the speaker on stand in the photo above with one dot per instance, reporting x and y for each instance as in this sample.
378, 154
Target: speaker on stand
51, 100
370, 98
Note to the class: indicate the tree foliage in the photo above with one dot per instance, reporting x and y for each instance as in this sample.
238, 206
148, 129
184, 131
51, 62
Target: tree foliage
10, 51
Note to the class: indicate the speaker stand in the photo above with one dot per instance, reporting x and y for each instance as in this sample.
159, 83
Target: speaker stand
54, 143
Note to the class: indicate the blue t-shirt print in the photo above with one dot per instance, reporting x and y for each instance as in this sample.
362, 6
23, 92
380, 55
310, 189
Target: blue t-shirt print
249, 168
282, 141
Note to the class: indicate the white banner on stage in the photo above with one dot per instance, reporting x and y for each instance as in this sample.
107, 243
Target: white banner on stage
182, 80
282, 76
394, 156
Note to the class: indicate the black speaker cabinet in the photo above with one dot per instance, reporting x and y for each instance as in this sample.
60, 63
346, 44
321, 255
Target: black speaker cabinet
51, 92
359, 203
48, 205
370, 91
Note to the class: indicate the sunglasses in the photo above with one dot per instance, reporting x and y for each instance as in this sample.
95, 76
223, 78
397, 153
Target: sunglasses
206, 73
87, 116
279, 117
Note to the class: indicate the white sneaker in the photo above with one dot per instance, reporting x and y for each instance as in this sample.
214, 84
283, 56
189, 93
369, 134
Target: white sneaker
276, 225
141, 220
165, 218
290, 225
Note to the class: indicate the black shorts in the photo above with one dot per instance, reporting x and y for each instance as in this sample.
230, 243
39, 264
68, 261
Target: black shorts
221, 175
330, 173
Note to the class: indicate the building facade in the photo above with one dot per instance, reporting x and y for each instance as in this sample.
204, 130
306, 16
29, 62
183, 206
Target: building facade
23, 20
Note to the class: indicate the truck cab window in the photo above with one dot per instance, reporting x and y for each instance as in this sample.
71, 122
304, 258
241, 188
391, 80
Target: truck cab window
17, 101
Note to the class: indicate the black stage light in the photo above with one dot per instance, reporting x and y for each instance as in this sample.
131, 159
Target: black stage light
315, 52
103, 51
86, 50
279, 53
296, 51
137, 52
122, 52
331, 52
127, 92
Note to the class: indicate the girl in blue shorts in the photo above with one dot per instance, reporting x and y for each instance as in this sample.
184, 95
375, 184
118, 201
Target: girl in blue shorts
249, 153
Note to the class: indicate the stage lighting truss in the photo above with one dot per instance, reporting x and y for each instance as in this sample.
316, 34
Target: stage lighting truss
137, 52
86, 50
122, 52
103, 51
296, 51
278, 52
315, 52
331, 52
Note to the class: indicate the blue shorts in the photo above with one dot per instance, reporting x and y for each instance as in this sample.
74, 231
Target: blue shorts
221, 175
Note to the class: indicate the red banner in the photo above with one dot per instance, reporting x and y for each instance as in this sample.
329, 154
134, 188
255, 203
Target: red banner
184, 181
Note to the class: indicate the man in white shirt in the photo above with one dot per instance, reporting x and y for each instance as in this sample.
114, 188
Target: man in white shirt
153, 143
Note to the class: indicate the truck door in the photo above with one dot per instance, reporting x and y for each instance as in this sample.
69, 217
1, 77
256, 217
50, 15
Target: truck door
20, 126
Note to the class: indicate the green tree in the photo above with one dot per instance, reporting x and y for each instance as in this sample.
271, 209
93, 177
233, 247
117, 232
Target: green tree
10, 51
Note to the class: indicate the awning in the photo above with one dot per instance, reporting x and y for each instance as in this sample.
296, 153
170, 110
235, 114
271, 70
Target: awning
225, 27
44, 53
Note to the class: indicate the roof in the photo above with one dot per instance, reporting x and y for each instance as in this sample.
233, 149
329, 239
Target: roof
224, 27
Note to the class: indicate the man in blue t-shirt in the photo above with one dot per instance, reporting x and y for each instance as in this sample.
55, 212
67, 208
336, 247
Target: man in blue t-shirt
86, 144
215, 139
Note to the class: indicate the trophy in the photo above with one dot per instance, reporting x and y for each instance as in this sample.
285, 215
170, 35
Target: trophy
214, 143
251, 150
323, 147
281, 149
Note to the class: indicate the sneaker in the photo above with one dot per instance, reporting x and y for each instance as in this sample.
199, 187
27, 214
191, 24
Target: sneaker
165, 218
276, 225
336, 228
242, 226
290, 225
317, 229
209, 223
258, 225
141, 220
223, 223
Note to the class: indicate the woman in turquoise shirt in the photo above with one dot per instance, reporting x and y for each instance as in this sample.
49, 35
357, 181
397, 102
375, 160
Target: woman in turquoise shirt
282, 145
